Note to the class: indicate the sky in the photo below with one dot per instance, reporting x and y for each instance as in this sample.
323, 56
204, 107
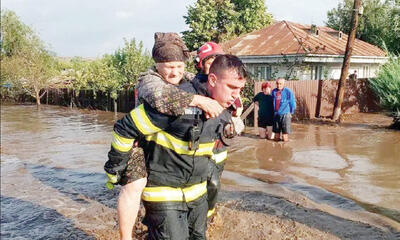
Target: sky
91, 28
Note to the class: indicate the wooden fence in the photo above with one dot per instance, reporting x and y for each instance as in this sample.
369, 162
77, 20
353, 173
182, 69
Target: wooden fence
315, 98
91, 100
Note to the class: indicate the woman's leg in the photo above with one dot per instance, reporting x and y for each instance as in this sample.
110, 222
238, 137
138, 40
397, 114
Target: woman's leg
128, 207
270, 133
262, 132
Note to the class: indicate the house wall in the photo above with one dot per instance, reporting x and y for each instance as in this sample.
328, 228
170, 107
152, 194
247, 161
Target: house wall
314, 71
365, 70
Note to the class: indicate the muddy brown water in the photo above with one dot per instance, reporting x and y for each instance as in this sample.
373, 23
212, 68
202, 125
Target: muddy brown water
343, 181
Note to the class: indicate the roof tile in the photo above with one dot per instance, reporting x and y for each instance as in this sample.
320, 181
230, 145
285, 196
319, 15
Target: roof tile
285, 37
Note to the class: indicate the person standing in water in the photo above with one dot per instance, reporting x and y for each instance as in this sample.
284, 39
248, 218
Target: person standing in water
265, 102
284, 108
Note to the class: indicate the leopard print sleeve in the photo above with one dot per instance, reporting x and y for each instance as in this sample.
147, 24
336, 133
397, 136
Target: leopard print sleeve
165, 98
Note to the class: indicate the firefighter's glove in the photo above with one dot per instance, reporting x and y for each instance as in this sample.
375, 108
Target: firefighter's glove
227, 134
112, 180
229, 130
113, 175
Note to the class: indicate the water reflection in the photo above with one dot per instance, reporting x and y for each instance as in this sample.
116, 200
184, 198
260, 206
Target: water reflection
358, 163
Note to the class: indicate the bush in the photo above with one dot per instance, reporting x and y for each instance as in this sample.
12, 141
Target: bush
387, 87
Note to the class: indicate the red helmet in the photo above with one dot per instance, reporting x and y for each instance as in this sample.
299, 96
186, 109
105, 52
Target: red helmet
208, 49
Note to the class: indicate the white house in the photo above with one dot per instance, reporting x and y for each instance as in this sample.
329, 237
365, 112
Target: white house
304, 52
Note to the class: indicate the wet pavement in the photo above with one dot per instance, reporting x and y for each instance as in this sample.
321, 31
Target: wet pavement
341, 181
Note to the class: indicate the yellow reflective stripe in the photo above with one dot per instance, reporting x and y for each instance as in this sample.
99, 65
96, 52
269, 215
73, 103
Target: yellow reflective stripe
142, 122
181, 147
220, 157
120, 143
210, 212
205, 149
194, 192
162, 194
170, 194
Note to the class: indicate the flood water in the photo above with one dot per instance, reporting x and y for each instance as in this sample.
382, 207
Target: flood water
52, 180
359, 163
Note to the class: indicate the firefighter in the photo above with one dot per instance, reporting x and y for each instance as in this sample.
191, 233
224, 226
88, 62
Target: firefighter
178, 151
205, 57
157, 87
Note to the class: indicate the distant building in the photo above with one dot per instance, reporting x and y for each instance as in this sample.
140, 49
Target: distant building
304, 52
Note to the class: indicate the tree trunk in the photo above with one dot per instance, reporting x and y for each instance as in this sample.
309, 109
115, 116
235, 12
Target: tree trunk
37, 97
346, 62
319, 98
70, 97
115, 106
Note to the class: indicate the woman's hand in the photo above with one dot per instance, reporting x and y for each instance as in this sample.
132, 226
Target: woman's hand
210, 106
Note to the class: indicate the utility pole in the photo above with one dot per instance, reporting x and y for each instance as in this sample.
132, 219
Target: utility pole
346, 61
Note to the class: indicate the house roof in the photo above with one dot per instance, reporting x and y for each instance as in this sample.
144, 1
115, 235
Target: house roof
287, 38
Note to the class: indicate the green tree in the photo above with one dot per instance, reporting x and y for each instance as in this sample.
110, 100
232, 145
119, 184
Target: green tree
221, 20
15, 35
76, 69
96, 75
112, 72
103, 76
253, 15
26, 63
387, 87
130, 61
379, 24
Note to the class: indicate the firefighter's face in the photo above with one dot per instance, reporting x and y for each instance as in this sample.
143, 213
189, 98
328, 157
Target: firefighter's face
172, 72
225, 86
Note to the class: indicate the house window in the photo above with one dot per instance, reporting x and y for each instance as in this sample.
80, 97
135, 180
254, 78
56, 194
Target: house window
317, 72
262, 72
366, 71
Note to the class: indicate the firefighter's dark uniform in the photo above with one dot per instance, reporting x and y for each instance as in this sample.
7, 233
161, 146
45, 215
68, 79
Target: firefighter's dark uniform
216, 166
178, 152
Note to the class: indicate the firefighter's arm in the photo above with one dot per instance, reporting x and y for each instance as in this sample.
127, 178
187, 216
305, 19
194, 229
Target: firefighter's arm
134, 127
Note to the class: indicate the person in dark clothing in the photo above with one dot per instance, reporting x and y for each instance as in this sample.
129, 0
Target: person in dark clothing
265, 103
353, 76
